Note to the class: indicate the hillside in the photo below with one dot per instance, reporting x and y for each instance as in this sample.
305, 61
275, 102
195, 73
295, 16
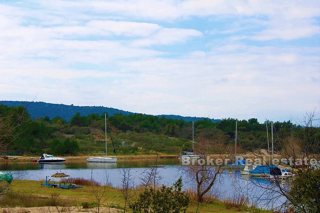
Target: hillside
42, 109
141, 134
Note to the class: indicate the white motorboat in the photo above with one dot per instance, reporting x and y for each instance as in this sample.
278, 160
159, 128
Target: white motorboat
46, 158
285, 173
189, 156
103, 159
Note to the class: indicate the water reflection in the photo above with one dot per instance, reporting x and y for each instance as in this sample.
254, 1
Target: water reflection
101, 165
52, 166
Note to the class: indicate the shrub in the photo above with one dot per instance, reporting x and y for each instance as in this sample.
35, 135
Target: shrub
166, 199
305, 191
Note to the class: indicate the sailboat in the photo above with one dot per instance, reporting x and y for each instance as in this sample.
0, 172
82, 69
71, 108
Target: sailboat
187, 155
103, 159
238, 162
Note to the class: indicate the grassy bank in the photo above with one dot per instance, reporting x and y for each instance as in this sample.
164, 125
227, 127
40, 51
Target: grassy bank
31, 194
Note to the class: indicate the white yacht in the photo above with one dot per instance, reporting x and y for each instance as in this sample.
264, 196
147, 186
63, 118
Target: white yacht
46, 158
189, 156
103, 159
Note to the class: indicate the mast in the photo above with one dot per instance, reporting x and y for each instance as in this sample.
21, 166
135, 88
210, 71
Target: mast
105, 133
192, 136
272, 141
268, 140
236, 139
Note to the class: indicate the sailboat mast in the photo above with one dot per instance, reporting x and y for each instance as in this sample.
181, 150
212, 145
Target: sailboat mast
192, 136
268, 141
105, 133
272, 141
236, 139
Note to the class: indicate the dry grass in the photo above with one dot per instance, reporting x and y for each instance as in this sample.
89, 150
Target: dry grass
238, 202
26, 194
80, 181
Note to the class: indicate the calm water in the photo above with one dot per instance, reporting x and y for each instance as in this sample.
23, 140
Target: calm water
229, 185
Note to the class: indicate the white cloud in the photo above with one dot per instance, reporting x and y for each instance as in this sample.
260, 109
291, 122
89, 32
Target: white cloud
116, 53
168, 36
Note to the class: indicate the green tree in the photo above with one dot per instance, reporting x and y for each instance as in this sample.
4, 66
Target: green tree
305, 192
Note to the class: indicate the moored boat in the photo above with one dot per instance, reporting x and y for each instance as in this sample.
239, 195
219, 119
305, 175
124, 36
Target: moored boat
247, 168
265, 171
189, 156
46, 158
103, 159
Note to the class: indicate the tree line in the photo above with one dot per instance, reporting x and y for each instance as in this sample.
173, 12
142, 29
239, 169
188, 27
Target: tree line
20, 134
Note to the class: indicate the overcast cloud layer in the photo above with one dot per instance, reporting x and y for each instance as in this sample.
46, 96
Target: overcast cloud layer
220, 59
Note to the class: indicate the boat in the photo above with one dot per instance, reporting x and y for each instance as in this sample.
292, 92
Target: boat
265, 171
187, 156
239, 162
103, 159
285, 173
190, 155
53, 184
46, 158
6, 176
247, 168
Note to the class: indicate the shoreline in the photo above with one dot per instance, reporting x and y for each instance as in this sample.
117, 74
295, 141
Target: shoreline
83, 158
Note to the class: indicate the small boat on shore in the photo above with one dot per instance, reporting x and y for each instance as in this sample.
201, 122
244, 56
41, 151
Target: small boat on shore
46, 158
6, 176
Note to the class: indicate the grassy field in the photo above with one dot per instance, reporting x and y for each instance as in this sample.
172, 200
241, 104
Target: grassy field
24, 193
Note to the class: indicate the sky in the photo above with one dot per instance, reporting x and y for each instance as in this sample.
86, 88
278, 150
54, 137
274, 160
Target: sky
212, 58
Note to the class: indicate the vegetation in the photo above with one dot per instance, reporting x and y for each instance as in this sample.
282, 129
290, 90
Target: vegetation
305, 192
138, 134
30, 194
164, 199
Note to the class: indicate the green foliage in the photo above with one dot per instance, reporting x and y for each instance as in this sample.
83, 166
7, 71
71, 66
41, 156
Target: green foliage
138, 133
64, 147
305, 191
166, 199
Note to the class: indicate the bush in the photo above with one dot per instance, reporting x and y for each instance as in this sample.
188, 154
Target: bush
166, 199
305, 191
87, 205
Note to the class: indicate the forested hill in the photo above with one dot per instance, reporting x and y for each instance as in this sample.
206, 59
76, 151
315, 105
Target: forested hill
143, 134
42, 109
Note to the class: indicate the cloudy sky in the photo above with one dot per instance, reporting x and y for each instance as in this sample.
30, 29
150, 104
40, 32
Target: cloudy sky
216, 58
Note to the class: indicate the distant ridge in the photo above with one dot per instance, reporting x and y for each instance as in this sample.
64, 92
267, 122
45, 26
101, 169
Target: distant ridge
43, 109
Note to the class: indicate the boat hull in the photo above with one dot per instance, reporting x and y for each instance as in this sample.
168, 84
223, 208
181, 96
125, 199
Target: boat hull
102, 160
51, 161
